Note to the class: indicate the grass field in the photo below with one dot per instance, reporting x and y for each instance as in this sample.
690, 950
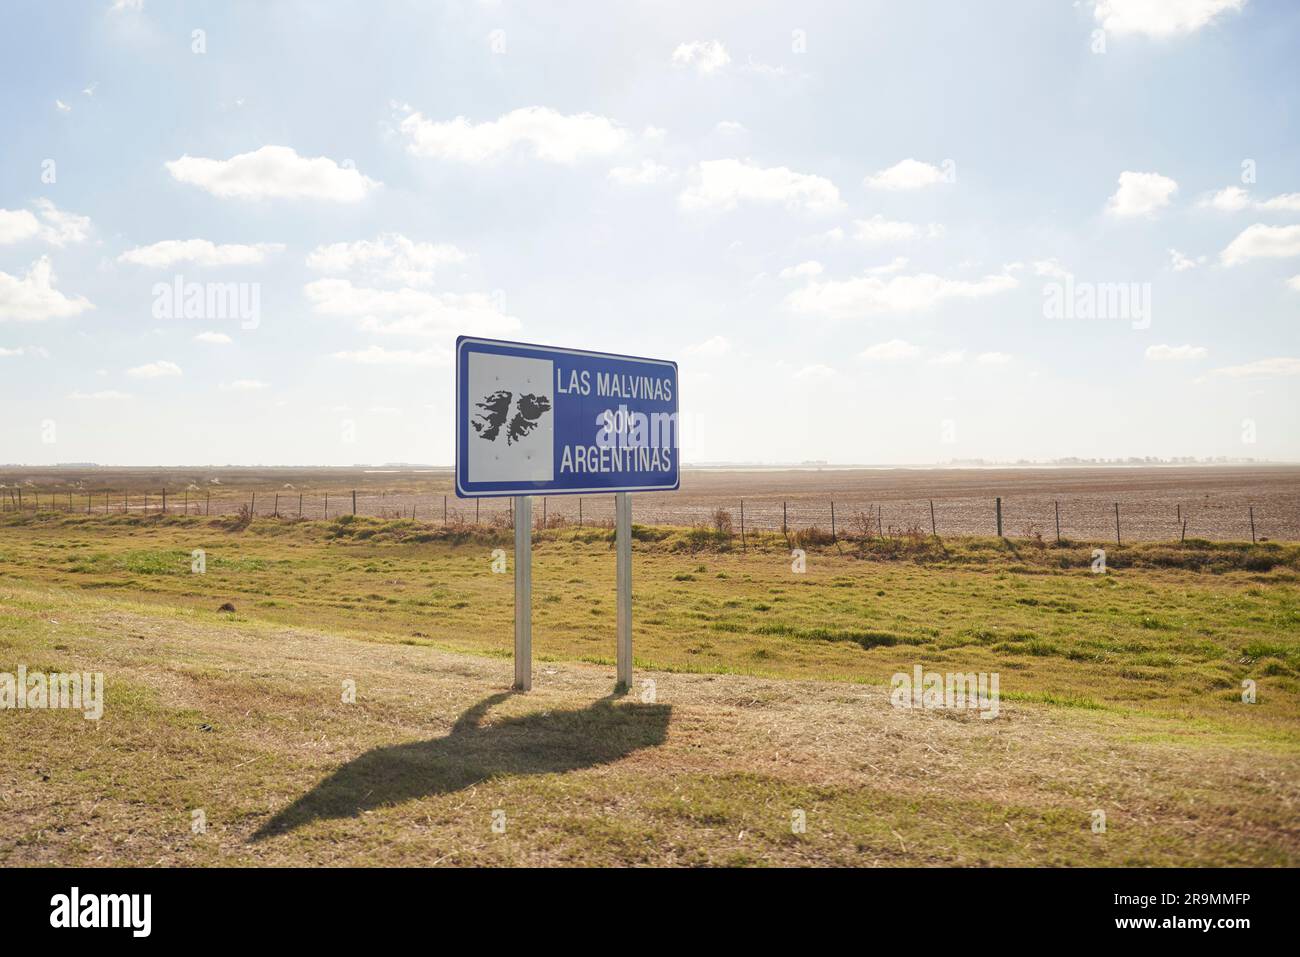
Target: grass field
1120, 692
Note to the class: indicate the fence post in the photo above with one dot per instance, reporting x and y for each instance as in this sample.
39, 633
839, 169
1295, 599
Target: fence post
252, 506
832, 521
880, 521
300, 505
1117, 541
1252, 524
275, 511
475, 511
580, 511
354, 501
743, 547
1058, 522
164, 504
999, 506
207, 502
784, 530
933, 528
543, 512
444, 510
326, 514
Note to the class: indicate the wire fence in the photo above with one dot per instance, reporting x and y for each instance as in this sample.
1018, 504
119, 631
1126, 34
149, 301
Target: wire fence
1085, 518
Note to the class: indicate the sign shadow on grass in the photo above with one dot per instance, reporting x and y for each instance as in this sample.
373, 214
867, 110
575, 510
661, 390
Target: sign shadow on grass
551, 742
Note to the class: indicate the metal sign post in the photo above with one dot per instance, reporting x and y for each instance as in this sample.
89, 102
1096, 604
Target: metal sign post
623, 545
523, 592
539, 420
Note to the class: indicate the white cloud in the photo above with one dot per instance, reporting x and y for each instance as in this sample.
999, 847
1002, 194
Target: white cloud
390, 258
201, 252
713, 346
643, 175
120, 6
214, 338
993, 358
1230, 199
1164, 353
1233, 199
1287, 203
17, 225
1161, 18
61, 227
1262, 242
1180, 263
907, 174
1051, 269
33, 298
104, 395
161, 369
950, 358
831, 237
730, 128
724, 184
764, 69
891, 351
877, 229
708, 56
1261, 368
56, 227
897, 264
551, 136
810, 268
62, 107
243, 385
273, 172
817, 372
1294, 283
378, 356
410, 311
850, 298
1141, 194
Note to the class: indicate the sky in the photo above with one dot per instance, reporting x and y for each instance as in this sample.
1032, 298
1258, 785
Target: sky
868, 232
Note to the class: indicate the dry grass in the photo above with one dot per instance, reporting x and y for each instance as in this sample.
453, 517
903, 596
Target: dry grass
244, 720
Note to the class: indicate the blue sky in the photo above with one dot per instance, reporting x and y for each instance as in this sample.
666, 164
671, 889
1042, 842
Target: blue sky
845, 223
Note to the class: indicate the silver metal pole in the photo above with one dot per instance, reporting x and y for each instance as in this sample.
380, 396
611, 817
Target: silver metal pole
523, 592
623, 544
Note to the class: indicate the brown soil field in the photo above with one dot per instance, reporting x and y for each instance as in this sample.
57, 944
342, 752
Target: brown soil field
1215, 501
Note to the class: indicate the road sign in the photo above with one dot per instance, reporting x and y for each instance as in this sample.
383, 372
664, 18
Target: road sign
536, 420
539, 420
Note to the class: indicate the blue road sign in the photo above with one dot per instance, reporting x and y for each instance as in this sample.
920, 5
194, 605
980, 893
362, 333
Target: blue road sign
536, 420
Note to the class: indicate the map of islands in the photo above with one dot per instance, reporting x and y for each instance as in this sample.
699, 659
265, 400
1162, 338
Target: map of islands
495, 415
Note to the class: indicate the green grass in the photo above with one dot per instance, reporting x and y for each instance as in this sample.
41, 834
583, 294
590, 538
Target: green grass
1151, 635
1120, 691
